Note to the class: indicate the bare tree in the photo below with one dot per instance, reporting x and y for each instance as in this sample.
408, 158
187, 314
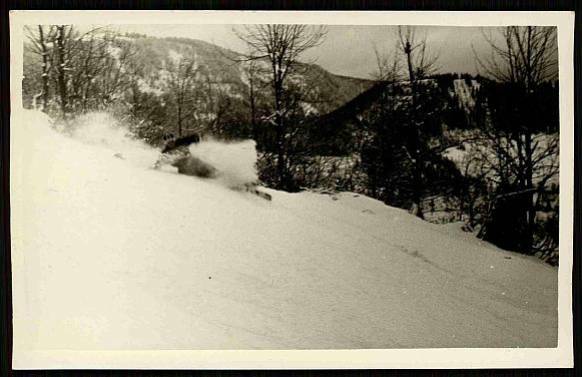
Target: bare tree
405, 138
525, 55
113, 75
523, 60
281, 46
420, 64
251, 75
387, 66
42, 40
90, 57
63, 41
84, 70
182, 84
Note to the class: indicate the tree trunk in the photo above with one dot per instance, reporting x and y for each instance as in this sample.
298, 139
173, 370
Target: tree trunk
253, 108
179, 120
280, 143
278, 89
530, 204
414, 141
45, 75
135, 99
529, 200
408, 52
61, 74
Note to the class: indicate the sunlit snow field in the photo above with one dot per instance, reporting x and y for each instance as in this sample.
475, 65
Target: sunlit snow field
110, 254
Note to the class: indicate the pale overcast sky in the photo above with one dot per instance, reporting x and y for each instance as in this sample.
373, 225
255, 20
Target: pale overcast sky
348, 50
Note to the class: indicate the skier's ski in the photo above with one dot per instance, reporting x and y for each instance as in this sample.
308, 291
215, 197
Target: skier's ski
261, 194
254, 190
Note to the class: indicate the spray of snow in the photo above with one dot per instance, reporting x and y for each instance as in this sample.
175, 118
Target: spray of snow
235, 162
102, 130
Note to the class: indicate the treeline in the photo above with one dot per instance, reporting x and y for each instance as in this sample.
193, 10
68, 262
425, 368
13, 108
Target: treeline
447, 147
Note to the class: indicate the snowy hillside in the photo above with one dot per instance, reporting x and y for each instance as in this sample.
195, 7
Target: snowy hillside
108, 254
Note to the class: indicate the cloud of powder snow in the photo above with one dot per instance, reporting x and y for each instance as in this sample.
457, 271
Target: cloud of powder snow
235, 162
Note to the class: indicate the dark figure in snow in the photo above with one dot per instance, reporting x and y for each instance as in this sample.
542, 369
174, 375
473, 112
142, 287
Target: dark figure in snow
176, 152
180, 142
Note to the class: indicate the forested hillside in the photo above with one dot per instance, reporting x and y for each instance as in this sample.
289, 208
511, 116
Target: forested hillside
172, 85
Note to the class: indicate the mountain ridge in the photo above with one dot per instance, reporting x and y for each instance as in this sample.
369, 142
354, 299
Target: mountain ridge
339, 89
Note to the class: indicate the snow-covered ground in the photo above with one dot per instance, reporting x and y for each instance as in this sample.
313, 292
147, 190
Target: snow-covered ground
476, 157
108, 254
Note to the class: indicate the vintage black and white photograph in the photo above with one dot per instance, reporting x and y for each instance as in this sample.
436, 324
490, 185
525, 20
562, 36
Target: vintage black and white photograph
286, 186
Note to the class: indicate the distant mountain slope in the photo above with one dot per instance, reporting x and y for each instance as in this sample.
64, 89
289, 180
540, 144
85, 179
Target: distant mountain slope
458, 95
461, 94
220, 65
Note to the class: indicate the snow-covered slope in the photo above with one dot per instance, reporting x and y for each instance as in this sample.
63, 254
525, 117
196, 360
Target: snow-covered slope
465, 93
111, 255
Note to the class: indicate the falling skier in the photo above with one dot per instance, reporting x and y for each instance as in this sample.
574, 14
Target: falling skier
176, 153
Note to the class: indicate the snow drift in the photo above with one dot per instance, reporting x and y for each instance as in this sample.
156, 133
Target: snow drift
110, 255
